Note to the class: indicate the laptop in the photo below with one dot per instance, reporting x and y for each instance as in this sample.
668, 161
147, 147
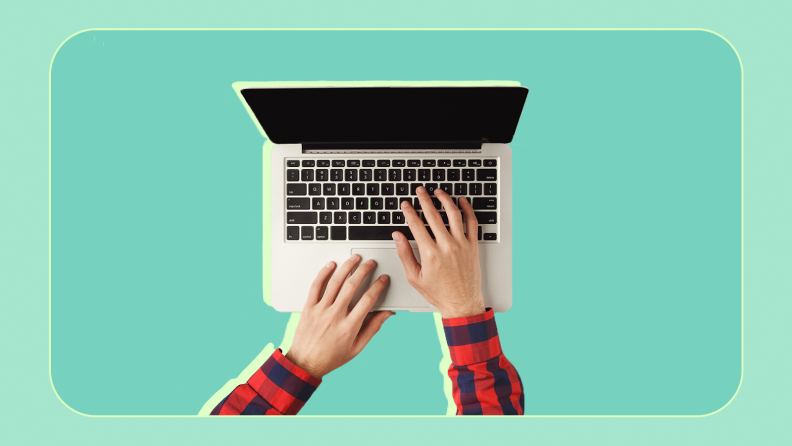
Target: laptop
344, 157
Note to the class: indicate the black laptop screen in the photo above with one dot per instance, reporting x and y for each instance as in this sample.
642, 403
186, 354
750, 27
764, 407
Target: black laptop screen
387, 115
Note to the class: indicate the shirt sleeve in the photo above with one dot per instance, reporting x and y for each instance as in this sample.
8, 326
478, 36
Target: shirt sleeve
484, 381
279, 387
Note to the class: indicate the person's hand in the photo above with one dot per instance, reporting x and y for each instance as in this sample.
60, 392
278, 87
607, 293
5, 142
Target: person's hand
329, 334
449, 276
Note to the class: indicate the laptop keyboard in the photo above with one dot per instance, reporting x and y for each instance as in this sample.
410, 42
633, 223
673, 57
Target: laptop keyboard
360, 199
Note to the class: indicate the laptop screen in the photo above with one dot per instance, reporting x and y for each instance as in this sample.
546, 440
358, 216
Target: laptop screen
388, 115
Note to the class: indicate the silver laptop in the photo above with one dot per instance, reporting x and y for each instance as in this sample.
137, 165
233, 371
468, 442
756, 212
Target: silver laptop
345, 157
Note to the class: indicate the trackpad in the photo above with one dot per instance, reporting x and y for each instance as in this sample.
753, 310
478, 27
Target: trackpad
398, 294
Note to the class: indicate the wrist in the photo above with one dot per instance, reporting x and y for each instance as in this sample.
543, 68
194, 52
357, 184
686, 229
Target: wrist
305, 365
450, 313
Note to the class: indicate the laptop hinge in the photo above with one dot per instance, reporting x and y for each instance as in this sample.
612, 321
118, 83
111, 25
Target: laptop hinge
400, 147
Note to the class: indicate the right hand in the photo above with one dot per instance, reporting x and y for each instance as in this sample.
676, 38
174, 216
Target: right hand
449, 275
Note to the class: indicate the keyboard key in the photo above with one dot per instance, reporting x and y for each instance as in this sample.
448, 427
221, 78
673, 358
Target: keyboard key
490, 189
314, 189
325, 218
399, 163
424, 174
446, 187
339, 218
460, 189
369, 163
308, 163
429, 163
350, 175
380, 174
438, 175
394, 175
475, 188
490, 236
444, 217
292, 232
318, 204
485, 203
383, 218
343, 189
467, 174
486, 174
333, 203
436, 203
339, 163
296, 189
414, 163
361, 203
378, 232
443, 163
417, 204
354, 218
414, 186
387, 188
479, 232
490, 163
365, 175
460, 163
409, 174
453, 174
298, 203
376, 203
307, 174
430, 188
347, 203
474, 163
487, 218
391, 203
301, 218
402, 189
383, 163
372, 189
358, 189
306, 233
353, 163
293, 163
329, 189
321, 174
323, 163
292, 175
321, 232
369, 218
338, 232
398, 218
336, 175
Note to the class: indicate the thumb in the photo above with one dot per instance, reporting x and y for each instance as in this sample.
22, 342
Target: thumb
371, 326
403, 248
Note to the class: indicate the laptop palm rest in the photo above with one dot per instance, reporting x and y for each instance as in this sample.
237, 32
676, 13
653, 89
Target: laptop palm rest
398, 294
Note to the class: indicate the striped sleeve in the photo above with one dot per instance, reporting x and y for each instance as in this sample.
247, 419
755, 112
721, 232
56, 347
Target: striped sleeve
484, 381
279, 387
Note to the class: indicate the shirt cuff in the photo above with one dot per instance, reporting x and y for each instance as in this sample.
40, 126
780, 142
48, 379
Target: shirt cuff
472, 339
283, 384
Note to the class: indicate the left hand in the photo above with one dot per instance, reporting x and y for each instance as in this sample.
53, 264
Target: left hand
329, 334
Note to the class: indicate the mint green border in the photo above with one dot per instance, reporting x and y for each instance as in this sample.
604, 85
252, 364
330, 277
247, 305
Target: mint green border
742, 208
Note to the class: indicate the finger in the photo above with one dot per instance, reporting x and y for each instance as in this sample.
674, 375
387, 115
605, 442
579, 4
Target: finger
470, 221
337, 281
452, 212
315, 293
352, 284
369, 329
411, 266
368, 300
419, 232
432, 215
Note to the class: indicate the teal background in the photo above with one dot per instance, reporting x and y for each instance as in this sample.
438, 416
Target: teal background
626, 217
31, 33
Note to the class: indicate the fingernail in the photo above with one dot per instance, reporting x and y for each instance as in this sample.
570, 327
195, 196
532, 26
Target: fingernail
420, 189
384, 278
462, 199
391, 314
370, 262
330, 264
405, 204
396, 236
353, 257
